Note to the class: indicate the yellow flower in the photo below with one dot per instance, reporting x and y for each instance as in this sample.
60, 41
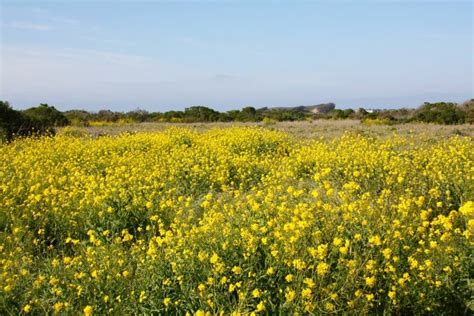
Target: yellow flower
337, 241
375, 240
58, 306
88, 310
412, 262
370, 281
309, 283
322, 250
428, 264
387, 252
370, 265
306, 293
237, 270
27, 308
142, 297
329, 306
261, 306
467, 209
322, 268
290, 295
299, 264
256, 293
214, 258
343, 250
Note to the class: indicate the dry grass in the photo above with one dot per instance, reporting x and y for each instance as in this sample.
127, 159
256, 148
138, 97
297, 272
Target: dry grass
316, 129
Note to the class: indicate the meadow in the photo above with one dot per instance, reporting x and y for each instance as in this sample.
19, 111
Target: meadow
308, 218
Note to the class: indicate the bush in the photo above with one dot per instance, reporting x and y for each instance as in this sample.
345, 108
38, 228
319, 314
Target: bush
78, 117
468, 109
47, 116
341, 114
200, 114
16, 123
441, 113
268, 121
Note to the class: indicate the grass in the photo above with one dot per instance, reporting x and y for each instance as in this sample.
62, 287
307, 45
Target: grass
302, 129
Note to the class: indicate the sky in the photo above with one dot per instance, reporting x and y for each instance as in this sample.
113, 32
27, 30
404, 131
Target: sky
169, 55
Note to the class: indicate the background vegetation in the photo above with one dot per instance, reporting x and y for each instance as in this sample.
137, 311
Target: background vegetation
34, 121
44, 118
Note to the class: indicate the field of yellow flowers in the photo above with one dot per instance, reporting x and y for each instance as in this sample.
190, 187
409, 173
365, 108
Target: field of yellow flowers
238, 220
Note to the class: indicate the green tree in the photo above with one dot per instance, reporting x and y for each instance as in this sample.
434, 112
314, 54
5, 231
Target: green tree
441, 113
249, 114
200, 114
16, 123
47, 115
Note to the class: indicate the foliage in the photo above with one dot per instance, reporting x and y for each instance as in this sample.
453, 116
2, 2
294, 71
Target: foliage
200, 114
241, 220
137, 115
16, 123
341, 114
47, 116
248, 114
468, 108
441, 113
284, 115
78, 117
268, 121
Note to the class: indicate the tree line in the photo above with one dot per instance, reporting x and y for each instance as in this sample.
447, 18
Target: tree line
441, 113
37, 120
44, 118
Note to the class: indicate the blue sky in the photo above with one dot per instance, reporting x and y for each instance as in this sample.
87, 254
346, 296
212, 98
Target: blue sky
164, 55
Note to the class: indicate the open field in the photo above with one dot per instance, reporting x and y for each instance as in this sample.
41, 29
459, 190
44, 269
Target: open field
302, 129
315, 218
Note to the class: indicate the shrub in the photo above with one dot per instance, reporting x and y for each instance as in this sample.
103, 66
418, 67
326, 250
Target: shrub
441, 113
47, 116
16, 123
268, 121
